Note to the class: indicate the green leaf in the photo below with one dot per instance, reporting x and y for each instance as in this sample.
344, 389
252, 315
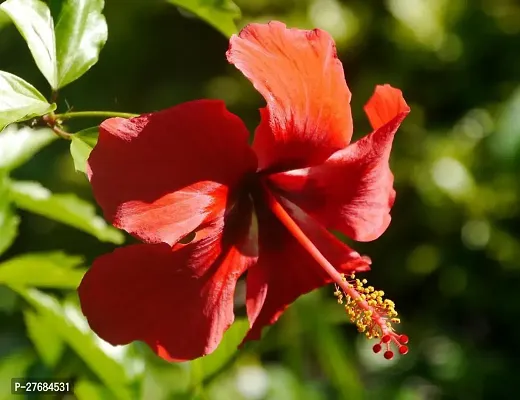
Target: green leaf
53, 270
4, 20
88, 390
13, 366
81, 31
330, 347
204, 367
66, 208
505, 144
221, 14
19, 100
41, 331
73, 329
66, 52
8, 219
8, 300
17, 146
81, 145
33, 20
9, 222
164, 381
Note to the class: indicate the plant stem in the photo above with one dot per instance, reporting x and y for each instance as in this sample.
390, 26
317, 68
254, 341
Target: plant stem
61, 133
51, 121
94, 114
54, 96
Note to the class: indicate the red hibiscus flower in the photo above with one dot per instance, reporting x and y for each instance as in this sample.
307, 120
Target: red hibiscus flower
209, 207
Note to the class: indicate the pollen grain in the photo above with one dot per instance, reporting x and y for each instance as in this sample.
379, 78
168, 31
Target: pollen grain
372, 314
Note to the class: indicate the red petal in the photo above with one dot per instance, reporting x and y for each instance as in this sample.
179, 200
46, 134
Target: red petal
353, 190
161, 175
178, 301
285, 270
308, 115
384, 105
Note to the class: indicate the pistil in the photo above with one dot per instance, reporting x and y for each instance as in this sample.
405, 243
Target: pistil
364, 306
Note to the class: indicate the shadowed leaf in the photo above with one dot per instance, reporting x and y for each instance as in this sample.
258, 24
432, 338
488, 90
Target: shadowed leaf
221, 14
81, 145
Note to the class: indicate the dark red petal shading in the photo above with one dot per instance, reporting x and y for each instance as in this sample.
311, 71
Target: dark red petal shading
308, 115
353, 190
179, 301
161, 175
285, 270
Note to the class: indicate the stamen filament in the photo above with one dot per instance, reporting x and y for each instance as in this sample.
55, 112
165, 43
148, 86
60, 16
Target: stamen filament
307, 244
387, 333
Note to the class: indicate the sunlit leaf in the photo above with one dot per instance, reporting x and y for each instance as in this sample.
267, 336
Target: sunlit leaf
81, 145
88, 390
66, 208
219, 13
73, 330
41, 331
33, 20
17, 146
202, 368
81, 32
8, 219
19, 100
54, 270
9, 222
66, 52
4, 20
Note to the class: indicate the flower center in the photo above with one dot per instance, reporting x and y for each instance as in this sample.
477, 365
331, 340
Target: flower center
365, 306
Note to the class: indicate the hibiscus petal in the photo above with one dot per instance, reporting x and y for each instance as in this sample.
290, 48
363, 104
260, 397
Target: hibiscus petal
161, 175
179, 301
385, 104
353, 190
285, 270
308, 115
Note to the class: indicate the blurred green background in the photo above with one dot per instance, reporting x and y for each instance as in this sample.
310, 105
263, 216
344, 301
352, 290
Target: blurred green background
450, 259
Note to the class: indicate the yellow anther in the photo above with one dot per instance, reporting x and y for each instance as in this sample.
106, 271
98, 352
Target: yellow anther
366, 307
